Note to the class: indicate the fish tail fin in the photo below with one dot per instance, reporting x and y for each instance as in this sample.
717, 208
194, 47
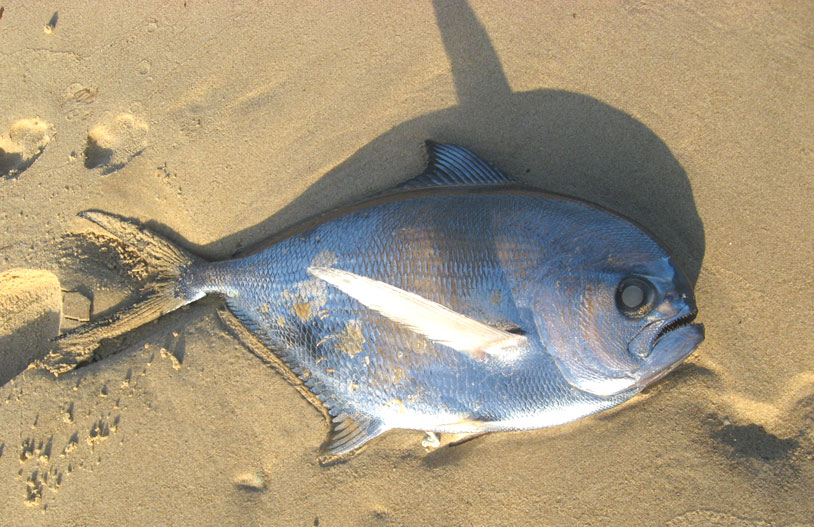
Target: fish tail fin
167, 265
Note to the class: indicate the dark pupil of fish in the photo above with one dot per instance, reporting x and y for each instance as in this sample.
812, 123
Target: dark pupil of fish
632, 296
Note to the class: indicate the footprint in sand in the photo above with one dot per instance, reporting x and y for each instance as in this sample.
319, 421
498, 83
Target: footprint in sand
30, 312
115, 142
22, 145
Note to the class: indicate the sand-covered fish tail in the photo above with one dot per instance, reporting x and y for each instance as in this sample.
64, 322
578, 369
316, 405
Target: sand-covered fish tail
166, 264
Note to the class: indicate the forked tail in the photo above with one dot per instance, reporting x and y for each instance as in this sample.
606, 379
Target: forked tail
166, 264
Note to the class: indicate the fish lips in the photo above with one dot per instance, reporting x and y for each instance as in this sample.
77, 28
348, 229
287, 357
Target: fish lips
672, 344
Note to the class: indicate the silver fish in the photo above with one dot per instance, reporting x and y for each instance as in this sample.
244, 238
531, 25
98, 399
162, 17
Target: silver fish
460, 302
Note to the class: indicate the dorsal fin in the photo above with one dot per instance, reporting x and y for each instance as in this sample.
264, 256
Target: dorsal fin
451, 165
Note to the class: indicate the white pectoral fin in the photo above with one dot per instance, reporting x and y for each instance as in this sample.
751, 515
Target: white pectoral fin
428, 318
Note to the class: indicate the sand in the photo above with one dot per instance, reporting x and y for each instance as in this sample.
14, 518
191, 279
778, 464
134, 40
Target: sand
220, 124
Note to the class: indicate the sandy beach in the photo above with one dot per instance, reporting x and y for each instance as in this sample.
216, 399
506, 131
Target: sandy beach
220, 124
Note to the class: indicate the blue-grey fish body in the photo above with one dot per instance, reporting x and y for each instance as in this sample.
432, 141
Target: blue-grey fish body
461, 303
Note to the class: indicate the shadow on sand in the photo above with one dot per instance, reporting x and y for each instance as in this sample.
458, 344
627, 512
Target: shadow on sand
558, 141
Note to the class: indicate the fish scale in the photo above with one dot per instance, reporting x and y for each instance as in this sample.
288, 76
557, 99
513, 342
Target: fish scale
438, 381
459, 302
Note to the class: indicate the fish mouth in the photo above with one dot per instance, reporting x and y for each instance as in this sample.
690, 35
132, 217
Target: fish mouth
644, 342
680, 321
672, 344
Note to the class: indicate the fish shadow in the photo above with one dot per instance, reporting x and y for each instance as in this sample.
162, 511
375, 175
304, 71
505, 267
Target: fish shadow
558, 141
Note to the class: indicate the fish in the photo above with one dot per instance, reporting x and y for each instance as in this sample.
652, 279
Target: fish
460, 302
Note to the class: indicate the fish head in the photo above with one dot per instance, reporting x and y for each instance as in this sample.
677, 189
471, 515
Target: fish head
620, 317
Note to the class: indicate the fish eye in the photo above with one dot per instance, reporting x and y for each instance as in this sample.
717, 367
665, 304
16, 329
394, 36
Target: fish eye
635, 297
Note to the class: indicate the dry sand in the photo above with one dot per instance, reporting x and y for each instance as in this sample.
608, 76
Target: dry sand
220, 124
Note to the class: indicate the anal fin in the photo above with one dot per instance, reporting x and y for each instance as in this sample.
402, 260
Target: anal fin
350, 430
264, 352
